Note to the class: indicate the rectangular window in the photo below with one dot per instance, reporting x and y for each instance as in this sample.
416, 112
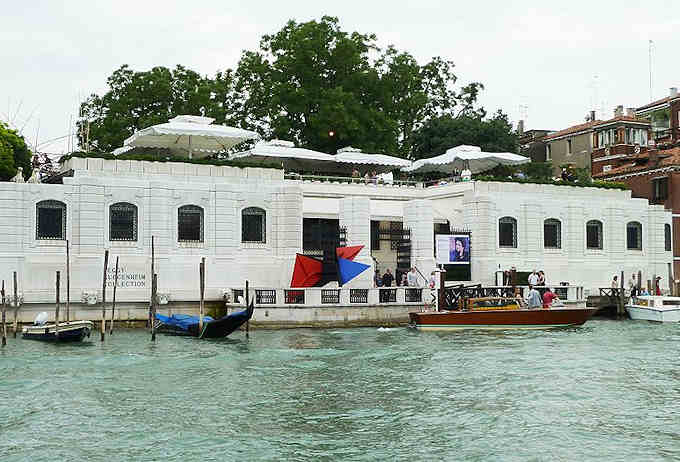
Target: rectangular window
667, 237
568, 147
50, 220
660, 189
634, 236
375, 235
252, 228
123, 222
551, 234
507, 232
548, 155
190, 224
594, 235
606, 168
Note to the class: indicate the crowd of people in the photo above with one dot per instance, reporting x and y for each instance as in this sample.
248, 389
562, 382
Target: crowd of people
371, 178
399, 279
634, 290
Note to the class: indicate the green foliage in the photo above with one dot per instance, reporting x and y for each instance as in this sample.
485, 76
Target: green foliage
591, 184
159, 157
537, 170
14, 145
438, 134
310, 82
7, 169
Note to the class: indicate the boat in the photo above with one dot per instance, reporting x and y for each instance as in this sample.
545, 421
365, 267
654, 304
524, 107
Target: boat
188, 325
506, 315
654, 308
69, 331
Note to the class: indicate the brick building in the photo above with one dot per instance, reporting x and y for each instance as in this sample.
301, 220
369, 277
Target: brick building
664, 116
532, 143
618, 141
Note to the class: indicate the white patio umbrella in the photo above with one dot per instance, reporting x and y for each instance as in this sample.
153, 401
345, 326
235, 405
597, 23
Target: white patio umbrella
291, 157
380, 162
190, 134
463, 156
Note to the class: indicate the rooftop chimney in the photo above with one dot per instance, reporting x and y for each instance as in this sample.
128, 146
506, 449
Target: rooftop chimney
630, 112
674, 92
653, 154
618, 112
592, 116
520, 127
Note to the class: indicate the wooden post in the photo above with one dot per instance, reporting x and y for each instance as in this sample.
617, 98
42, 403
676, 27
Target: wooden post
653, 291
202, 287
649, 287
16, 304
441, 299
622, 309
670, 280
106, 264
56, 311
154, 289
639, 282
247, 305
68, 284
113, 305
4, 327
150, 321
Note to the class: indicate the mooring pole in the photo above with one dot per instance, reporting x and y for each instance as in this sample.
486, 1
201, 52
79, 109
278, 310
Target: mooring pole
154, 289
671, 286
150, 321
68, 284
106, 264
16, 305
247, 306
56, 311
622, 309
113, 306
4, 327
201, 273
441, 299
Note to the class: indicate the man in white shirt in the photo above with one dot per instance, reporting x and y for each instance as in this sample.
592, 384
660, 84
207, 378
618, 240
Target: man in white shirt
533, 278
412, 278
533, 298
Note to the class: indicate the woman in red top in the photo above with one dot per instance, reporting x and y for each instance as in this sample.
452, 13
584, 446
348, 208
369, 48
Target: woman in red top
548, 297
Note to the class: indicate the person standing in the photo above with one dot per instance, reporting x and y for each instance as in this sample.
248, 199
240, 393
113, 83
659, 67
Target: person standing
632, 285
533, 298
548, 297
657, 286
377, 280
412, 278
541, 278
615, 282
387, 278
533, 278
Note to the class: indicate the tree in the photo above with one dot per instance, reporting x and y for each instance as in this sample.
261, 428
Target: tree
441, 133
13, 154
137, 100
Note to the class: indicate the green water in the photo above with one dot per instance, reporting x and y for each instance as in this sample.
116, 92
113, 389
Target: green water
607, 391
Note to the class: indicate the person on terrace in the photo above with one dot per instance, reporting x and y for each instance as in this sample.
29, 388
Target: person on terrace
548, 297
533, 298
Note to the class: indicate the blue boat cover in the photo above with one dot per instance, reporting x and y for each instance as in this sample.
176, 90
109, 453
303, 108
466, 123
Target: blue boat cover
183, 321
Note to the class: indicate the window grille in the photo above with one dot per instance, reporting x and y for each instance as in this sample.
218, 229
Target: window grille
123, 222
388, 295
50, 220
552, 234
413, 295
358, 295
265, 296
594, 234
634, 235
330, 296
190, 224
507, 232
295, 297
253, 225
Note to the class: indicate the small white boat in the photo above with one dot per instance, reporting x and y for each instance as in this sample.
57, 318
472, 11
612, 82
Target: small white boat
69, 331
654, 308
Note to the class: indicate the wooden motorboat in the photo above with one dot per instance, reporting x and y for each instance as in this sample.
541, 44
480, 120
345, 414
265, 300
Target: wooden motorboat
500, 317
654, 308
70, 331
187, 325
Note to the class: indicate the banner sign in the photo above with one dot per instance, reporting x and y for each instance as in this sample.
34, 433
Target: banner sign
453, 249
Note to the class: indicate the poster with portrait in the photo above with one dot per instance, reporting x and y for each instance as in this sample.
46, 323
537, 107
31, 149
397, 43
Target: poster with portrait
453, 249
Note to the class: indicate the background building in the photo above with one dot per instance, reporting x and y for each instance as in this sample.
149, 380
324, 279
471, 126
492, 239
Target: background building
573, 145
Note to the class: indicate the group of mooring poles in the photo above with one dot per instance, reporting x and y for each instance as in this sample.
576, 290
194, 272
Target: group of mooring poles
5, 299
153, 303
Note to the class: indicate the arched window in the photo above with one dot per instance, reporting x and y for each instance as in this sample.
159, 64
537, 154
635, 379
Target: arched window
253, 225
190, 223
50, 217
123, 222
667, 237
552, 234
634, 235
594, 234
507, 232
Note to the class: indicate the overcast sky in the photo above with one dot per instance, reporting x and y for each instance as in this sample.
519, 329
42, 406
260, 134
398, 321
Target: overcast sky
547, 62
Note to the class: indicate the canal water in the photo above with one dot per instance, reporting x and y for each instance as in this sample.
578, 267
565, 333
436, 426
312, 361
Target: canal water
606, 391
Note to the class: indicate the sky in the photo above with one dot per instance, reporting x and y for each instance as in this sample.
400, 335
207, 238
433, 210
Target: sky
547, 62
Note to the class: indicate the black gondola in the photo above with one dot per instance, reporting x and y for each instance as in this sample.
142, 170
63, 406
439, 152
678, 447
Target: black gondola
184, 324
71, 331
